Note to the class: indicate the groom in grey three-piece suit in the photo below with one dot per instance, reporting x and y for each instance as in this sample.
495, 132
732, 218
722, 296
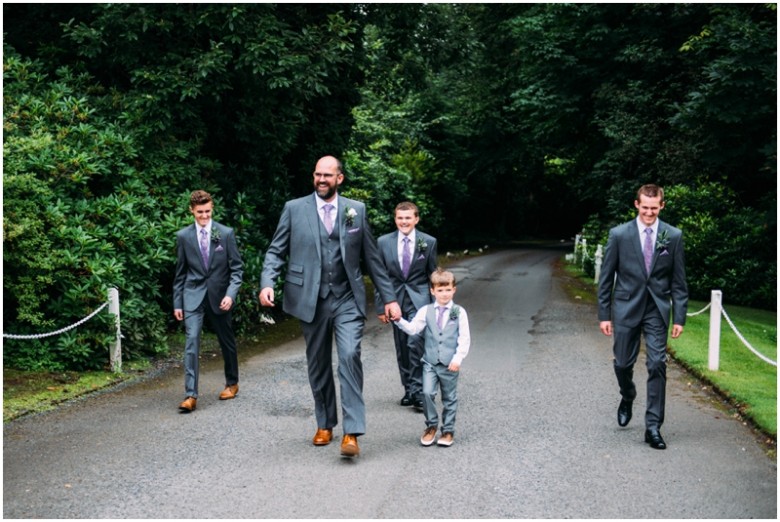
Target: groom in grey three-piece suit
322, 238
641, 287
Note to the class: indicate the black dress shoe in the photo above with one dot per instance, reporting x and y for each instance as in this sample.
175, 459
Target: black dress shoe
407, 400
624, 412
653, 437
418, 404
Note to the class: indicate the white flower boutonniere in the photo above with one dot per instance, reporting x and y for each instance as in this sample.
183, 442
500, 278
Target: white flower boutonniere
662, 242
350, 214
422, 246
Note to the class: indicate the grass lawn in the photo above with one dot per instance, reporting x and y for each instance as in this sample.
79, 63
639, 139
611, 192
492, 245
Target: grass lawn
748, 382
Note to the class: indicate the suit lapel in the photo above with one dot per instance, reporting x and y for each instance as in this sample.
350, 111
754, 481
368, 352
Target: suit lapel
313, 220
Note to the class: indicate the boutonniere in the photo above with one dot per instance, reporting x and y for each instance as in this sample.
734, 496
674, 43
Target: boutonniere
351, 214
662, 242
215, 235
454, 312
422, 246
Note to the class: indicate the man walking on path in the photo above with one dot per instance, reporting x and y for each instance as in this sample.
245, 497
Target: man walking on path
208, 276
322, 239
642, 284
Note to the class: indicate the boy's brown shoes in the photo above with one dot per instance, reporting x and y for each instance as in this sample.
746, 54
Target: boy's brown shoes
229, 392
322, 437
428, 436
188, 405
445, 439
349, 446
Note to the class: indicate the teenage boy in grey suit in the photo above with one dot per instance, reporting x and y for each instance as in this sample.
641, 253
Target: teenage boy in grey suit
409, 257
208, 276
322, 238
642, 285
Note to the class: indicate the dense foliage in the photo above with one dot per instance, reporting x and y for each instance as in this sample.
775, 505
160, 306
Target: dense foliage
502, 121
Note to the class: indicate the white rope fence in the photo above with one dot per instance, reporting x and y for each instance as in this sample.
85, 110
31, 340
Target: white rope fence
716, 310
115, 354
61, 330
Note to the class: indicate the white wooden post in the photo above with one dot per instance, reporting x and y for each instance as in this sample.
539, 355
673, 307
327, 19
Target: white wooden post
716, 307
599, 255
115, 354
584, 252
577, 248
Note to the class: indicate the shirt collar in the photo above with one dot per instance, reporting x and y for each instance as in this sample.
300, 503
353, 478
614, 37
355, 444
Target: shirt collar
207, 228
641, 226
321, 202
411, 237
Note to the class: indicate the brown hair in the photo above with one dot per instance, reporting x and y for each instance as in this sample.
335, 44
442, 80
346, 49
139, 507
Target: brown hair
199, 197
442, 277
408, 205
650, 191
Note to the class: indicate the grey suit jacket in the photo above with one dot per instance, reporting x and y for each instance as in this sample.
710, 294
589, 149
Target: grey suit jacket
296, 243
192, 281
624, 282
416, 284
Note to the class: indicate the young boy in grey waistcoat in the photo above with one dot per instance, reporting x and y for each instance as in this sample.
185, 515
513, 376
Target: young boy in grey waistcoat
447, 341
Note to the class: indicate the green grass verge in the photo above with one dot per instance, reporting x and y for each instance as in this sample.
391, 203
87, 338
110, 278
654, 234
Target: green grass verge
749, 383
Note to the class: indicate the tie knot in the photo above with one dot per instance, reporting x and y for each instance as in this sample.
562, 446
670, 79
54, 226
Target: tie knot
648, 231
327, 208
203, 232
406, 240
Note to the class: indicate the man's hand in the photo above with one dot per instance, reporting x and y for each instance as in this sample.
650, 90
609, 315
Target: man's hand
393, 311
606, 327
266, 296
226, 304
677, 330
178, 314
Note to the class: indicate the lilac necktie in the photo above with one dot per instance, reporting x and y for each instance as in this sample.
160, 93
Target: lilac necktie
440, 319
204, 247
407, 257
648, 249
326, 219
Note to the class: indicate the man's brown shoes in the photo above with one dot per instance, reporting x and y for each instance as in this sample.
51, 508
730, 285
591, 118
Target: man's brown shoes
229, 392
349, 446
322, 437
188, 405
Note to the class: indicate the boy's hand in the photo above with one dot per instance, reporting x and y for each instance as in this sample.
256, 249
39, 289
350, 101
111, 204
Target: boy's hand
453, 367
383, 318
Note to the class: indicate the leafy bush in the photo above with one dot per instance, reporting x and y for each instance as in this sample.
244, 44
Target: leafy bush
85, 209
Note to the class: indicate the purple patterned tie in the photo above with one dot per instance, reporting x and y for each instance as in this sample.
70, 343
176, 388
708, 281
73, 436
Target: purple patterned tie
407, 257
648, 249
204, 247
326, 219
440, 319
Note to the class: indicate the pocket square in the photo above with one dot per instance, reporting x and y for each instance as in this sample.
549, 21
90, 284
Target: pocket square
664, 252
353, 230
422, 256
219, 248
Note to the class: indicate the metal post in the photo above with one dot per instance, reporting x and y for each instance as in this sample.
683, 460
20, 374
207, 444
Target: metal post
599, 255
716, 307
115, 355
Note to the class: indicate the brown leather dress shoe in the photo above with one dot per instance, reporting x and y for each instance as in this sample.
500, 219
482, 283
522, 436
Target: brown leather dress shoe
349, 446
323, 437
188, 405
229, 392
